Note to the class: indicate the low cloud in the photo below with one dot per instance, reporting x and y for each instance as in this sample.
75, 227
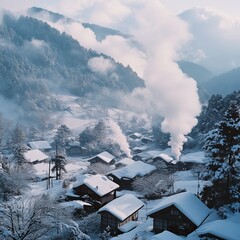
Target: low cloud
101, 65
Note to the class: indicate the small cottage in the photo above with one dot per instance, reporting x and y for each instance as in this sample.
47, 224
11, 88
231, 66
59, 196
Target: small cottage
121, 214
95, 188
124, 162
35, 156
104, 157
219, 230
125, 175
74, 149
76, 207
181, 214
41, 145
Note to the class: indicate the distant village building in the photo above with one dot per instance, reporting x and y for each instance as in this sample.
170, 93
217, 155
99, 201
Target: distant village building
164, 157
135, 136
76, 206
35, 156
219, 230
104, 157
74, 149
181, 214
125, 175
95, 188
124, 162
121, 214
41, 145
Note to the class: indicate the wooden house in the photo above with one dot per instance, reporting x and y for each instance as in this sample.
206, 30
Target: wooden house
41, 145
181, 214
219, 230
97, 189
124, 162
104, 157
74, 149
121, 214
35, 156
125, 175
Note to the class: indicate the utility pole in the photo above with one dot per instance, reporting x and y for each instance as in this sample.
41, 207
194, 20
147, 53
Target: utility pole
49, 169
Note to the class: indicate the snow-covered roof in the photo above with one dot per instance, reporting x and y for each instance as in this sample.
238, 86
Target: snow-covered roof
126, 161
42, 145
224, 229
138, 168
123, 207
98, 183
35, 155
105, 156
166, 235
189, 204
76, 204
196, 157
165, 157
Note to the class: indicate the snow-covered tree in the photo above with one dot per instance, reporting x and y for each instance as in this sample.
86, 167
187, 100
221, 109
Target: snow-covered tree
18, 155
61, 137
18, 136
59, 165
222, 146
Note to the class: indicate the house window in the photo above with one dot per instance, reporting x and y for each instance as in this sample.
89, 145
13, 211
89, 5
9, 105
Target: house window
174, 212
161, 224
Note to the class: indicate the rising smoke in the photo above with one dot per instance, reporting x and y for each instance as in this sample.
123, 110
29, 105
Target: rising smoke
169, 92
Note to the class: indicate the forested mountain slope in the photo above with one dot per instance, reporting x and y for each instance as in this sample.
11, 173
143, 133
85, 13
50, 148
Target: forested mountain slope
36, 61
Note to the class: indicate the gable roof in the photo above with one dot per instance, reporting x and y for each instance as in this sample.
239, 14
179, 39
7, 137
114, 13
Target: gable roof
166, 235
35, 155
165, 157
42, 145
98, 183
190, 205
74, 204
105, 156
123, 207
221, 228
138, 168
125, 161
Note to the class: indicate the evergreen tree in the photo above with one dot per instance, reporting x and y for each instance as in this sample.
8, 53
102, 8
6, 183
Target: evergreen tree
62, 135
222, 146
18, 155
18, 136
59, 165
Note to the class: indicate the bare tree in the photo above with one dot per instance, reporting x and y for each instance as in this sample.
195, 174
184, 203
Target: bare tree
35, 218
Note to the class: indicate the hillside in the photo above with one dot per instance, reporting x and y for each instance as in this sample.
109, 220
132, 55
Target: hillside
196, 71
38, 61
225, 83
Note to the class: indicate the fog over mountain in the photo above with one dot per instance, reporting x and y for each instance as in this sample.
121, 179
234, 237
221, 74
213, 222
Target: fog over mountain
37, 61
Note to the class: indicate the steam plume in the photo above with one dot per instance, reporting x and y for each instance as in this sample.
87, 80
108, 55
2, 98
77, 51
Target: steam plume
120, 138
169, 92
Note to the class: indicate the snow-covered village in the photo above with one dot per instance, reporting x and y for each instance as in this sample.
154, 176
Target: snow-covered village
119, 120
